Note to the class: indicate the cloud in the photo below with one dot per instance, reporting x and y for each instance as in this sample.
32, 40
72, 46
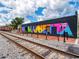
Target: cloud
23, 8
4, 11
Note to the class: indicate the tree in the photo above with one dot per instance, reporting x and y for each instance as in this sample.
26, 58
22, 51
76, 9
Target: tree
16, 22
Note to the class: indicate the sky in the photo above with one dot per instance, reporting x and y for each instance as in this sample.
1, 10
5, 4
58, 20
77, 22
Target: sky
36, 10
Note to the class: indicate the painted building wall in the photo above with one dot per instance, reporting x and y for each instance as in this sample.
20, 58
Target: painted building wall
63, 26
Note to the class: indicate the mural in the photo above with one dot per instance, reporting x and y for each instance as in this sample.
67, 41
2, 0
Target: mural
58, 28
54, 28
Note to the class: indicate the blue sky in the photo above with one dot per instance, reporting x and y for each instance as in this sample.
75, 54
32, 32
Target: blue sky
36, 10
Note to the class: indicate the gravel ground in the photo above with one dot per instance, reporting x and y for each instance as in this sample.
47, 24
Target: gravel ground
9, 50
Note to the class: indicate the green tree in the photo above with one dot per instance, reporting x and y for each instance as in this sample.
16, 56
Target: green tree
17, 22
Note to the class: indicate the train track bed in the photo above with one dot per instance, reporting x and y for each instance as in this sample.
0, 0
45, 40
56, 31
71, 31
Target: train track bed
10, 50
42, 50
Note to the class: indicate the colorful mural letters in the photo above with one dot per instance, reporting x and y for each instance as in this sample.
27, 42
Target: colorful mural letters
57, 28
65, 26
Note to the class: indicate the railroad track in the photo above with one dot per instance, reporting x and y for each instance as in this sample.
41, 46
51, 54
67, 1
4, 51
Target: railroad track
42, 51
15, 51
18, 43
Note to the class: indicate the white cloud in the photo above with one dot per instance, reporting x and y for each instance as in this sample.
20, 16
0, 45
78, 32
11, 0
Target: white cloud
54, 8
